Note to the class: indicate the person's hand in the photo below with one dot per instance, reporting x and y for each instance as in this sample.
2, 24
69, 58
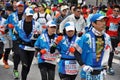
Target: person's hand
52, 49
36, 35
11, 26
87, 68
44, 26
2, 32
80, 34
72, 50
6, 31
117, 49
58, 39
43, 51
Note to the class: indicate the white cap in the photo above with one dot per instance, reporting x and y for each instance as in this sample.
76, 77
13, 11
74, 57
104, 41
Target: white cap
63, 7
69, 26
51, 23
29, 11
101, 17
20, 3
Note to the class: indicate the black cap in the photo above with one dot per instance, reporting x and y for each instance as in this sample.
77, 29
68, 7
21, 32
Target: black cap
9, 7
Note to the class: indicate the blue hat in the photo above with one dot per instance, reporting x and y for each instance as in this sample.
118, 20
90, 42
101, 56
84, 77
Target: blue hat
69, 26
51, 23
96, 17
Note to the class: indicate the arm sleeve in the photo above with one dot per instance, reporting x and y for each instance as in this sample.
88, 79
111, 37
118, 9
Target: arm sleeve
61, 27
78, 57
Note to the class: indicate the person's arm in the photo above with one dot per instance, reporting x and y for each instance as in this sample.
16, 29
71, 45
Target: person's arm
56, 42
61, 27
78, 57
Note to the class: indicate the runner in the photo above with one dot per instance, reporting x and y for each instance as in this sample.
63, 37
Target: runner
68, 67
46, 61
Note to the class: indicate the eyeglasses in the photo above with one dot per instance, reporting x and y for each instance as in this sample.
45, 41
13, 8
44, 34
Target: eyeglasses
116, 10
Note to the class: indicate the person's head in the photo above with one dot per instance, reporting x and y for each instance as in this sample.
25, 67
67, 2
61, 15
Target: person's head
9, 8
72, 8
14, 2
51, 27
77, 12
20, 6
116, 10
98, 22
69, 29
64, 10
1, 9
42, 7
94, 10
104, 8
29, 14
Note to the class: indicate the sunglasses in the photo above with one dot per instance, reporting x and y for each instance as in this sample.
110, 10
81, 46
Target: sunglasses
53, 27
78, 11
116, 10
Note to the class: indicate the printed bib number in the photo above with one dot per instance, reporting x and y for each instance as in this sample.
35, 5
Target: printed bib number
113, 27
50, 57
71, 67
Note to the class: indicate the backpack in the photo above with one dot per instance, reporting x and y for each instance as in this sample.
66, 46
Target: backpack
42, 17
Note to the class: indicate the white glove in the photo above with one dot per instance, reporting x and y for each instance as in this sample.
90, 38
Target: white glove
87, 68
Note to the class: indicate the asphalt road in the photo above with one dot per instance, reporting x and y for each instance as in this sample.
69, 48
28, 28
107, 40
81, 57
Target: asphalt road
34, 74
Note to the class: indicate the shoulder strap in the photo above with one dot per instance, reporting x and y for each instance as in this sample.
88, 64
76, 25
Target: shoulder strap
38, 16
46, 17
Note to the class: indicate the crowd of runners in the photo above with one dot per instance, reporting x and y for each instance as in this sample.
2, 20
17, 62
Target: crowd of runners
76, 37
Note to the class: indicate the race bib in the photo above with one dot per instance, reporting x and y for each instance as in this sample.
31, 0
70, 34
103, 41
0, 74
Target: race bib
51, 58
113, 27
71, 67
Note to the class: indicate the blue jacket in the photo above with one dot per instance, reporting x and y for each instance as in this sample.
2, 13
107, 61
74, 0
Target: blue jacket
43, 42
12, 19
87, 44
22, 34
67, 58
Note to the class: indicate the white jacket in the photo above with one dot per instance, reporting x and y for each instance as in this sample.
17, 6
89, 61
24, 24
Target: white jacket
79, 24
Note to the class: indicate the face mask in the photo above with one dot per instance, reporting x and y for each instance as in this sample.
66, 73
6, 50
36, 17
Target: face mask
77, 17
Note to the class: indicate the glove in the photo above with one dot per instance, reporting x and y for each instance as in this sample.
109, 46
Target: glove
52, 49
43, 51
72, 50
60, 34
87, 68
36, 35
6, 31
44, 27
80, 34
11, 26
58, 39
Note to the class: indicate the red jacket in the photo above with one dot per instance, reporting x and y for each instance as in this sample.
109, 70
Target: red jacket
112, 23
